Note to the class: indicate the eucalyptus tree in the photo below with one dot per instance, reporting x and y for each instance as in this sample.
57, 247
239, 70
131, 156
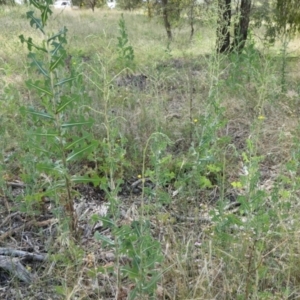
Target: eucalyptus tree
280, 18
240, 24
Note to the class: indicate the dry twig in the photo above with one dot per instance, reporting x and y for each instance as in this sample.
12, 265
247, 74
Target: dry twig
26, 225
24, 254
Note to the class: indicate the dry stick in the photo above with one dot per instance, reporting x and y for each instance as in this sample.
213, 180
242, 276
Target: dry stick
8, 218
23, 254
14, 230
6, 204
17, 229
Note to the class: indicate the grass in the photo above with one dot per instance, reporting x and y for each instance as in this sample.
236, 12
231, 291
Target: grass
206, 130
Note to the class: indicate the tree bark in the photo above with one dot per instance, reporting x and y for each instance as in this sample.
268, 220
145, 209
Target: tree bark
242, 25
192, 17
149, 9
167, 23
223, 30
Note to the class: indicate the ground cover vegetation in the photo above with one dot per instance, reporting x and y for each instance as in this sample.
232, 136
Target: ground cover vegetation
137, 164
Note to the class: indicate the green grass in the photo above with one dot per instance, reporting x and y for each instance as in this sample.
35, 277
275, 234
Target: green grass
204, 129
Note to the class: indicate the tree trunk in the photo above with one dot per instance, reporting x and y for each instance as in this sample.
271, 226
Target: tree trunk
241, 26
192, 17
149, 9
223, 30
165, 11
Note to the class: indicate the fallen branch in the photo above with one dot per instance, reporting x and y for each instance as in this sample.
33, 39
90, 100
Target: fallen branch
14, 230
139, 181
14, 267
8, 218
28, 224
24, 254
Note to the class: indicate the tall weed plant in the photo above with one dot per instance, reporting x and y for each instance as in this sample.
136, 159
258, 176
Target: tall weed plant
58, 136
125, 50
261, 224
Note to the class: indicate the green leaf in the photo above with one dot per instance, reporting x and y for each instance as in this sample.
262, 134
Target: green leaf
73, 144
48, 168
45, 11
233, 219
77, 123
36, 4
65, 80
57, 47
55, 63
36, 86
30, 43
22, 39
46, 134
204, 182
64, 103
35, 21
104, 239
131, 272
61, 32
38, 64
39, 114
84, 150
40, 132
86, 179
151, 284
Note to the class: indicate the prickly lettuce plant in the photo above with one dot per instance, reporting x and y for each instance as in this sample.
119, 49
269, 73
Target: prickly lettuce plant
58, 135
133, 240
125, 50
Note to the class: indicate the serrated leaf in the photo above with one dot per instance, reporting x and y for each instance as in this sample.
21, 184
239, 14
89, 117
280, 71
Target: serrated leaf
57, 35
73, 144
35, 21
86, 179
233, 219
83, 150
57, 47
152, 282
35, 3
30, 43
41, 132
45, 11
104, 239
40, 114
77, 123
35, 85
48, 168
64, 103
132, 272
65, 80
205, 182
59, 184
55, 63
22, 39
38, 64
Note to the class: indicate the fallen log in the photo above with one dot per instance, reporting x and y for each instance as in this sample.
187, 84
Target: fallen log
15, 268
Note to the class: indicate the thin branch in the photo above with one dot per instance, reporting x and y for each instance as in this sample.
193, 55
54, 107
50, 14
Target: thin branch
28, 224
24, 254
